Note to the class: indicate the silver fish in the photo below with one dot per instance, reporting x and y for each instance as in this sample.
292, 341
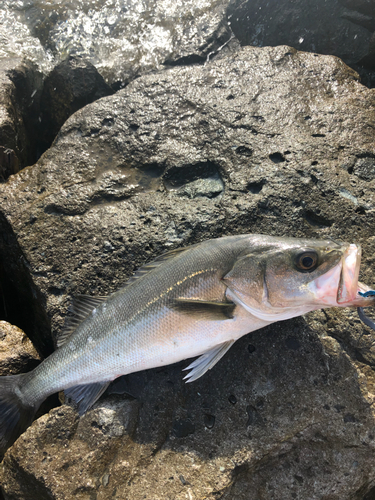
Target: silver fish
194, 301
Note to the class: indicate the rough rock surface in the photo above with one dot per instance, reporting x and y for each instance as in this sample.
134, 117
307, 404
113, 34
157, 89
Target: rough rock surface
333, 27
265, 140
123, 39
72, 84
17, 353
20, 88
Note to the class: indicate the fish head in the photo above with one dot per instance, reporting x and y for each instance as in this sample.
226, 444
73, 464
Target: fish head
279, 278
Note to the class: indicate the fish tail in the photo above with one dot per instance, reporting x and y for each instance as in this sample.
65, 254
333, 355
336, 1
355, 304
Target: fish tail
15, 414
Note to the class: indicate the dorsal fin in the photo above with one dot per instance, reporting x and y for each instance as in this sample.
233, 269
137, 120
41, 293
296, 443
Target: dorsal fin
81, 307
150, 266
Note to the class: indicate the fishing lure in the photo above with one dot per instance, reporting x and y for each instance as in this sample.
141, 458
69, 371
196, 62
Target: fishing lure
367, 321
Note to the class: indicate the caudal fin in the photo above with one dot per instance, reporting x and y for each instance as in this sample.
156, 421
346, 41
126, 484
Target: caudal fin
15, 415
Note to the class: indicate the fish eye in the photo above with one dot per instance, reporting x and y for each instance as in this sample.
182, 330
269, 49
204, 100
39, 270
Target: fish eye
306, 261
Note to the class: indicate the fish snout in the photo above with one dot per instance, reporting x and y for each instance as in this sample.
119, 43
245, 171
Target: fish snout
348, 286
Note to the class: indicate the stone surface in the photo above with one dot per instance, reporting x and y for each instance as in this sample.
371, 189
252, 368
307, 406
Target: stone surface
123, 39
263, 140
72, 84
334, 27
17, 353
20, 88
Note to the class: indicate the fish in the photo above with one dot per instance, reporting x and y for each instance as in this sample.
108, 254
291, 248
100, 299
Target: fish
192, 302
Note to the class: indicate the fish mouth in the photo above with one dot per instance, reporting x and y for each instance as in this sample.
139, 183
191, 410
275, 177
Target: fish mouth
347, 290
339, 286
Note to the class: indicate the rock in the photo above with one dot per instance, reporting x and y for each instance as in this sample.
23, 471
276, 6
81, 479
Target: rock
302, 425
17, 354
323, 27
154, 166
72, 84
122, 42
283, 134
20, 88
95, 439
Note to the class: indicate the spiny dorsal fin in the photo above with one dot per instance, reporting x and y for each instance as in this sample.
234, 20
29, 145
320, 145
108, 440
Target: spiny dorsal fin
206, 361
150, 266
209, 310
81, 307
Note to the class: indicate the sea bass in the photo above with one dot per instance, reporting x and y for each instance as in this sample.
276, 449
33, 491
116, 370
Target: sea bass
194, 301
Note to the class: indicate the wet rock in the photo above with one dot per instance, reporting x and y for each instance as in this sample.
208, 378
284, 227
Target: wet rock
72, 84
122, 41
17, 354
153, 166
20, 88
323, 27
283, 131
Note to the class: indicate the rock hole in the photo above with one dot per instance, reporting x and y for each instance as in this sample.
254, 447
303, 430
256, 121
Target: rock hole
244, 151
277, 157
314, 219
318, 135
256, 187
199, 180
134, 127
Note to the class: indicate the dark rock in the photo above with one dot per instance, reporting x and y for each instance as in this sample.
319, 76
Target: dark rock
20, 89
9, 163
72, 84
320, 26
98, 204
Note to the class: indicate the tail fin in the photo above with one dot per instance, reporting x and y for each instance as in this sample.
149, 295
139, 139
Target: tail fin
15, 415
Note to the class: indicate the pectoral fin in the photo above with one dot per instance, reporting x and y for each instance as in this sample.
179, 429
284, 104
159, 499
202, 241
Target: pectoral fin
207, 361
84, 396
215, 311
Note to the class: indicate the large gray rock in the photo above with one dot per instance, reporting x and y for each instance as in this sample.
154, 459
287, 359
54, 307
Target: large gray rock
266, 140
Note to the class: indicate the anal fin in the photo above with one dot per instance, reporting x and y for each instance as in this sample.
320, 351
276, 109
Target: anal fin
206, 361
84, 396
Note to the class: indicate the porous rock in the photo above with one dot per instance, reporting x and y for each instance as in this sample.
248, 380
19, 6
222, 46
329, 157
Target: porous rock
17, 353
265, 140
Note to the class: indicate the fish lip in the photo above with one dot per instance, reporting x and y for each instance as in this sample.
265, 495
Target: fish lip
347, 290
339, 285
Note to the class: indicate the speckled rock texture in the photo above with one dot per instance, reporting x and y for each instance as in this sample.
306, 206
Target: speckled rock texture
17, 353
266, 140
